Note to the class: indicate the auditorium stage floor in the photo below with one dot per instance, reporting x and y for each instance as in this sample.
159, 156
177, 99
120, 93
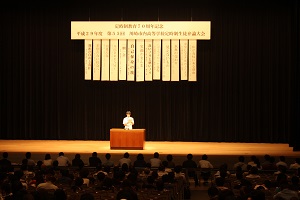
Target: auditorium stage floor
218, 152
175, 148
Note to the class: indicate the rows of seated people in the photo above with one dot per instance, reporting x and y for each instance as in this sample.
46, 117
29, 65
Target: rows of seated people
72, 180
156, 179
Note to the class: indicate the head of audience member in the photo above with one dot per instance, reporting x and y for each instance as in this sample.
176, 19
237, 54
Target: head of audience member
101, 176
204, 157
5, 155
189, 156
126, 155
107, 156
140, 156
125, 167
178, 169
28, 155
77, 156
156, 155
94, 154
164, 163
169, 157
47, 156
61, 154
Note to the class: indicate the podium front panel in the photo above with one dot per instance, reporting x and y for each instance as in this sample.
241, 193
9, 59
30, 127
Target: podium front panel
127, 139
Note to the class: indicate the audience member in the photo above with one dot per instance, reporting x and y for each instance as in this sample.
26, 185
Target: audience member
77, 161
94, 160
127, 192
30, 162
140, 161
253, 174
48, 184
63, 160
205, 167
126, 160
241, 163
171, 164
282, 162
5, 163
190, 166
108, 162
48, 161
296, 164
155, 161
285, 192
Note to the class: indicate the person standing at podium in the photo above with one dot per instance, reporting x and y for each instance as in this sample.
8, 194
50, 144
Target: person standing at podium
128, 121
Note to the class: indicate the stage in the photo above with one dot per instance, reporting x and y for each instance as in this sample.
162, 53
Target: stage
218, 152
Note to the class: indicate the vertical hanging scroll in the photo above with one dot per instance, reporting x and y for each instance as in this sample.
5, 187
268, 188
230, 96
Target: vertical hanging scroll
130, 59
140, 60
148, 60
88, 59
114, 60
192, 60
105, 60
183, 59
175, 60
122, 59
156, 59
166, 65
96, 59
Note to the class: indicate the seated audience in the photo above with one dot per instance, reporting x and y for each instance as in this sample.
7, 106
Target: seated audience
94, 160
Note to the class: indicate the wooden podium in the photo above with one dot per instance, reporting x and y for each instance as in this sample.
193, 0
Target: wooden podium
127, 139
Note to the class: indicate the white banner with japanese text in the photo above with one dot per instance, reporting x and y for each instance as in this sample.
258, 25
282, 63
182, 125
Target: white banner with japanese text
192, 60
105, 61
148, 60
175, 60
156, 59
166, 58
130, 60
140, 60
96, 59
114, 60
88, 59
122, 59
183, 59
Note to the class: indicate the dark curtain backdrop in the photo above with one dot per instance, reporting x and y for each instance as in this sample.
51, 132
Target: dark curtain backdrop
247, 88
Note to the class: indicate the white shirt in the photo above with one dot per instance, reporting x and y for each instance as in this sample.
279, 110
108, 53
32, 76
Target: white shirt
205, 164
155, 162
128, 122
63, 161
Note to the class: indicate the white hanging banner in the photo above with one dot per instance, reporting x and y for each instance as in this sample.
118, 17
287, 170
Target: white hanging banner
105, 60
96, 59
183, 59
130, 60
156, 59
114, 60
140, 60
148, 60
175, 60
122, 59
88, 59
192, 60
166, 60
